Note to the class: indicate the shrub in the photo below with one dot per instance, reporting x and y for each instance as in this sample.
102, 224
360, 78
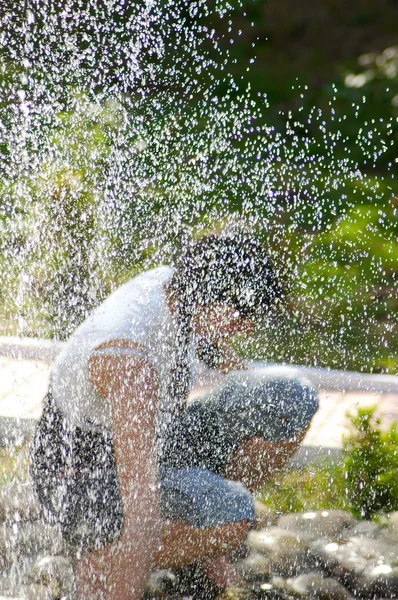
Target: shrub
365, 481
370, 462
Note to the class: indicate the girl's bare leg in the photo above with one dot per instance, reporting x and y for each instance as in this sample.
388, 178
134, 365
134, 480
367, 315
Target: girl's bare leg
182, 544
256, 461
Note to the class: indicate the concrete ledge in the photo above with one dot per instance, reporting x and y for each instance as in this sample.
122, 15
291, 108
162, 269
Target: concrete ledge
343, 381
15, 431
27, 366
30, 349
323, 378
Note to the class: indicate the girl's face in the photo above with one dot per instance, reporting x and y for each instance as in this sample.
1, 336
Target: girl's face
217, 321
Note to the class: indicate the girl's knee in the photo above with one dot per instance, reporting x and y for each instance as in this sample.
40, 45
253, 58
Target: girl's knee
305, 402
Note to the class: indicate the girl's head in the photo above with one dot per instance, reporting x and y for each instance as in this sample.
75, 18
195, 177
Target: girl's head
228, 270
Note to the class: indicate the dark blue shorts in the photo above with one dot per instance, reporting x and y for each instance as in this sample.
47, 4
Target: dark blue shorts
271, 402
82, 495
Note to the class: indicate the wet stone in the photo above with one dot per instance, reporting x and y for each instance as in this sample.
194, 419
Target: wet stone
236, 593
36, 592
287, 552
389, 530
55, 573
28, 539
318, 524
327, 556
255, 567
368, 567
160, 583
17, 575
366, 529
8, 585
313, 585
19, 503
264, 516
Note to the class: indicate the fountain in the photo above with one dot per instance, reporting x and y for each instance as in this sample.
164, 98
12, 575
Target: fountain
124, 134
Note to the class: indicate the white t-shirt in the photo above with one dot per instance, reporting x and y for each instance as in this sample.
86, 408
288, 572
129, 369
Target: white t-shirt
137, 312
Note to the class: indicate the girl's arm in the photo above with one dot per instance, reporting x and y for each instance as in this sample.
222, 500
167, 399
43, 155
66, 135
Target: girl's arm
120, 371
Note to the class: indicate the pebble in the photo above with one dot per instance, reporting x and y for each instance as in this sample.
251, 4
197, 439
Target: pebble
264, 516
322, 555
313, 585
255, 567
160, 583
365, 566
236, 593
286, 551
366, 529
19, 503
35, 592
54, 572
28, 539
318, 523
389, 529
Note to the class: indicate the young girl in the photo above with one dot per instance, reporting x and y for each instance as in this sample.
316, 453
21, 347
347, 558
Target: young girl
134, 476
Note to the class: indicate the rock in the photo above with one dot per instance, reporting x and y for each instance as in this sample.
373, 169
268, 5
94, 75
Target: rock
8, 585
389, 530
55, 573
236, 593
255, 567
381, 580
366, 529
287, 552
264, 516
17, 575
35, 592
160, 583
28, 539
19, 503
365, 566
315, 585
318, 524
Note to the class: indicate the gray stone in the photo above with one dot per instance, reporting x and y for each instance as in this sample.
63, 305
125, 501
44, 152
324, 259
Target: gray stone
28, 539
17, 575
318, 524
160, 583
366, 566
19, 503
264, 516
255, 567
311, 585
315, 585
34, 592
367, 529
55, 573
236, 593
389, 529
8, 584
288, 553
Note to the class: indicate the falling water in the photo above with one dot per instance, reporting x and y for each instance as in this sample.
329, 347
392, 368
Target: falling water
124, 133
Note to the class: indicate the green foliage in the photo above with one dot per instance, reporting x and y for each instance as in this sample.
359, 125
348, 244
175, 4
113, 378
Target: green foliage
14, 463
54, 246
333, 229
364, 482
306, 490
370, 460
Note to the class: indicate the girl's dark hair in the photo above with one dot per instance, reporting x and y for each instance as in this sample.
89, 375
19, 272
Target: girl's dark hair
233, 270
